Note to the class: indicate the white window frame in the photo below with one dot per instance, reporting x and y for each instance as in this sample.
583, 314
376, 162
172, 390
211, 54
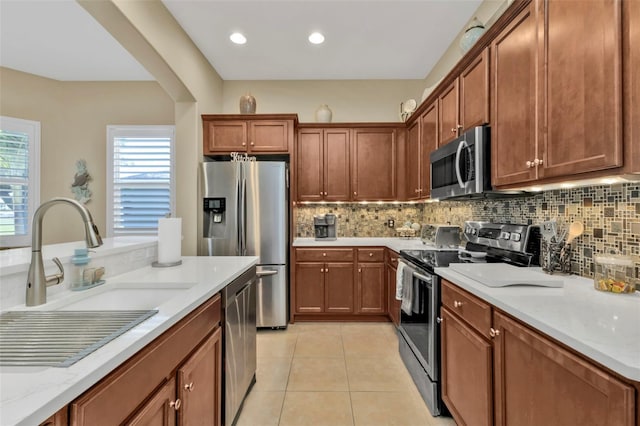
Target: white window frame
115, 131
32, 128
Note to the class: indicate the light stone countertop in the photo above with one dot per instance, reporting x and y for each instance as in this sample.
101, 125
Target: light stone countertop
29, 395
602, 326
396, 244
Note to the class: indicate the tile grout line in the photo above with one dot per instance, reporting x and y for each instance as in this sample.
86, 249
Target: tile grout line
286, 388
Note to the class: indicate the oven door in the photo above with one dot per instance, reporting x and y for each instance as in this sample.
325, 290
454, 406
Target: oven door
420, 328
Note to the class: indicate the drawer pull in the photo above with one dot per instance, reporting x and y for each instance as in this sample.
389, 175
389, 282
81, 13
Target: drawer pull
360, 270
175, 404
370, 254
324, 254
439, 320
457, 304
189, 387
493, 332
321, 270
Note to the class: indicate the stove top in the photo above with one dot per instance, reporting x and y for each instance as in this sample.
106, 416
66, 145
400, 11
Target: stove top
486, 243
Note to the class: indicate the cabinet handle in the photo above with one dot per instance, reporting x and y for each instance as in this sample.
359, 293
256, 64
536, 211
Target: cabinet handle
355, 193
189, 387
244, 144
538, 162
324, 254
453, 130
439, 320
493, 332
529, 164
459, 126
360, 270
321, 270
457, 304
252, 144
175, 404
370, 254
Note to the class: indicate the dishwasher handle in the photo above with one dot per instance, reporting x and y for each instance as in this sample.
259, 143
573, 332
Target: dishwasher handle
261, 274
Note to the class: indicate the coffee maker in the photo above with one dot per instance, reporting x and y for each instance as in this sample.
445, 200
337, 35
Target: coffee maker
324, 227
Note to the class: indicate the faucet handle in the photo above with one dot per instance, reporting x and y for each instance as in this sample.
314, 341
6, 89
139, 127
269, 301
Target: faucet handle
56, 278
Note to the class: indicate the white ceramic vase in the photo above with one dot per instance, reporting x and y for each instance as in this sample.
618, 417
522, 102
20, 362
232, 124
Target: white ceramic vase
324, 114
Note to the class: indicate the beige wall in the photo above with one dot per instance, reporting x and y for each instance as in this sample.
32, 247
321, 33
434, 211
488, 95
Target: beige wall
350, 100
73, 117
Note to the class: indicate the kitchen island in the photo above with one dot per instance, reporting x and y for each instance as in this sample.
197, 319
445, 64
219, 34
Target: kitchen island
29, 395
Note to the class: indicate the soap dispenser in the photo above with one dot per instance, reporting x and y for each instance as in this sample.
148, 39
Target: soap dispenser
79, 261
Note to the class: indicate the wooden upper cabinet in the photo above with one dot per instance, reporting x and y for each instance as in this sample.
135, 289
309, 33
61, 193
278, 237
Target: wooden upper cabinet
309, 165
448, 107
322, 166
413, 168
513, 100
631, 84
267, 134
428, 144
532, 371
336, 165
581, 86
474, 92
373, 164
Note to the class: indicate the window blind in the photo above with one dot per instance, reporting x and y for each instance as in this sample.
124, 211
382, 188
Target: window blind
142, 181
19, 179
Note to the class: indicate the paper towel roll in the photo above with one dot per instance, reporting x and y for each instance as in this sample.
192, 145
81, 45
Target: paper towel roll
169, 239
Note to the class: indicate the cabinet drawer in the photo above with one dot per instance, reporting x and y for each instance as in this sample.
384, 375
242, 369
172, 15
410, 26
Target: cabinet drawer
324, 254
471, 309
370, 255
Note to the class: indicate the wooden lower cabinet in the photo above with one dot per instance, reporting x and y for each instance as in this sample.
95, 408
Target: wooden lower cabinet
539, 382
393, 305
309, 279
338, 287
514, 375
371, 288
176, 379
324, 287
160, 409
466, 372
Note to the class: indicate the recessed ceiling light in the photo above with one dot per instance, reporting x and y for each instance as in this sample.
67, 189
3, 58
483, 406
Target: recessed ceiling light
316, 38
238, 38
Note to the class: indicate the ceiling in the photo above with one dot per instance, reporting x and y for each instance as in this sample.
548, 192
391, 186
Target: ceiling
379, 39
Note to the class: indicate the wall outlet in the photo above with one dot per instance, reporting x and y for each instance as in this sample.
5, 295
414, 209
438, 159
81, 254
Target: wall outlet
391, 223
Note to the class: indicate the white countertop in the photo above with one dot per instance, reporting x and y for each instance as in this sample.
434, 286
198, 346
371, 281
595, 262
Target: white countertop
395, 244
29, 395
603, 326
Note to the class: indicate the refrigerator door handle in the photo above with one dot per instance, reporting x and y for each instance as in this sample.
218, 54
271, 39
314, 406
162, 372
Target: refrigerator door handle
265, 273
238, 219
243, 218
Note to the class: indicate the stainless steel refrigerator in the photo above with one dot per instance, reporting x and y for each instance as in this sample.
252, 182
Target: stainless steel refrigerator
246, 213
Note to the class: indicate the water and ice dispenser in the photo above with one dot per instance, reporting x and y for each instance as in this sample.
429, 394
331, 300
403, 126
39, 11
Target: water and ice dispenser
214, 217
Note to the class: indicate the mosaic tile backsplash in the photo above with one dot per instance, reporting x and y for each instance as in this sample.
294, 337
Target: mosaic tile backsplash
611, 216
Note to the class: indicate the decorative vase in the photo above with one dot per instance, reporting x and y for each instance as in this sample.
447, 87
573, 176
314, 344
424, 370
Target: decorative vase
471, 35
247, 104
323, 114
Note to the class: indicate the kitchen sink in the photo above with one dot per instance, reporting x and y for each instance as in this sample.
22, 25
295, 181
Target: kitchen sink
123, 299
60, 338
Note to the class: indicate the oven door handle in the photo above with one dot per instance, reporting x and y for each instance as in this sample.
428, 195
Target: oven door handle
427, 279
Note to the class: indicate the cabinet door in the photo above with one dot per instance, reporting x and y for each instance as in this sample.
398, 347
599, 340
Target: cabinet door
336, 165
428, 144
371, 291
199, 384
580, 65
539, 382
466, 373
160, 409
413, 161
393, 305
448, 113
513, 100
338, 287
373, 163
309, 287
631, 92
225, 136
309, 167
269, 136
474, 92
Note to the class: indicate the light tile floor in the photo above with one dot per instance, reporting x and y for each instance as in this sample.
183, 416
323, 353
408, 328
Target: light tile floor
334, 374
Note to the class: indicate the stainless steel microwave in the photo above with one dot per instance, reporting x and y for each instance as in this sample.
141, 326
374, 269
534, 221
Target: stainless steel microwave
461, 168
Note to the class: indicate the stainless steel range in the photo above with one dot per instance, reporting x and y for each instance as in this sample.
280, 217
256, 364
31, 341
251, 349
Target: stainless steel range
419, 329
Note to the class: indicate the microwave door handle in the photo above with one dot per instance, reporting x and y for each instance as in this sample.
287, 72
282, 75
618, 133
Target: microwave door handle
461, 145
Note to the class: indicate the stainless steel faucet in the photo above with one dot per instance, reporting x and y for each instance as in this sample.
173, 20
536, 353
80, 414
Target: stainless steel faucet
37, 282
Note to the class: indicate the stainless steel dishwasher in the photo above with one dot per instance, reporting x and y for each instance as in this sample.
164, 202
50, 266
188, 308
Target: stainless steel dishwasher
239, 342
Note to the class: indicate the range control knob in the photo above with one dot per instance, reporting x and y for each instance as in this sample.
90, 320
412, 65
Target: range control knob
505, 235
515, 236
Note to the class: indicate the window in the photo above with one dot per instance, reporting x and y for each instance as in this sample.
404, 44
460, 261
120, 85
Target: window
19, 179
140, 178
